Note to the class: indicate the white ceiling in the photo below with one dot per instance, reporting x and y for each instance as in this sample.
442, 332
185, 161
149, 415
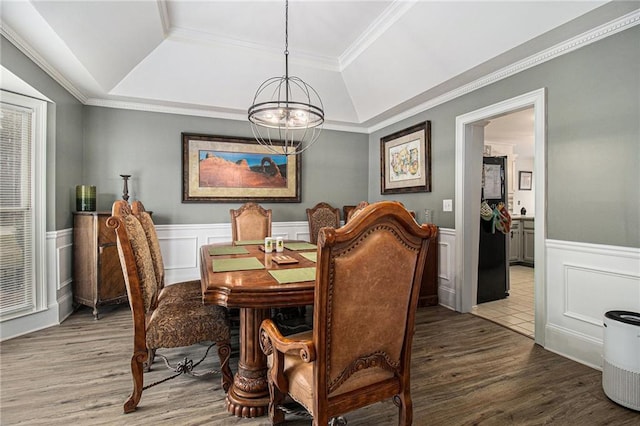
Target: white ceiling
369, 60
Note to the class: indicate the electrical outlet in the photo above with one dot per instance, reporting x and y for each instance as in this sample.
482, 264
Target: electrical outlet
447, 205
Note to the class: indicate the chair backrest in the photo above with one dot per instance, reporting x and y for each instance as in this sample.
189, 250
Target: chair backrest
356, 210
319, 216
369, 274
137, 267
250, 222
146, 221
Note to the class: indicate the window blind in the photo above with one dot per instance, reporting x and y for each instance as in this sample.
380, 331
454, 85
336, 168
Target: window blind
17, 282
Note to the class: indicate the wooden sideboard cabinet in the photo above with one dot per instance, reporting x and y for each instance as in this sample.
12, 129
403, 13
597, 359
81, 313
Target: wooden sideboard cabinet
97, 275
429, 290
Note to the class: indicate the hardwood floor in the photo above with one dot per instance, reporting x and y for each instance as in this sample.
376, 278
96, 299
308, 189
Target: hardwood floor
466, 371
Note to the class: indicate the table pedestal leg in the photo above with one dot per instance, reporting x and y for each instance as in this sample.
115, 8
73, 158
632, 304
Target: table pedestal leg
249, 394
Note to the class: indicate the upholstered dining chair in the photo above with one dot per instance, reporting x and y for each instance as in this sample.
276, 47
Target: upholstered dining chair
190, 290
319, 216
250, 222
162, 319
368, 281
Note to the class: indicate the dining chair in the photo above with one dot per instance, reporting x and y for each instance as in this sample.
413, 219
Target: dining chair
368, 281
250, 222
356, 210
191, 290
321, 215
162, 319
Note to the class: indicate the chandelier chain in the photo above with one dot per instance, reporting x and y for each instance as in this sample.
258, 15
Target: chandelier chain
286, 28
287, 114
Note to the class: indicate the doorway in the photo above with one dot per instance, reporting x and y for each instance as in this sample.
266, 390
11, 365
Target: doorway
511, 136
469, 147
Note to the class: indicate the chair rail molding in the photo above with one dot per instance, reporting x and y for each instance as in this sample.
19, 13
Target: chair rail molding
583, 281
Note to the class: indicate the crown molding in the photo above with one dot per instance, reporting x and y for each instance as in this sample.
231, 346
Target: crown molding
378, 27
163, 11
26, 49
625, 22
603, 31
237, 115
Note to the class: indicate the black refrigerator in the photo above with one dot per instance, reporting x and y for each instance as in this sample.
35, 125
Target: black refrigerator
493, 262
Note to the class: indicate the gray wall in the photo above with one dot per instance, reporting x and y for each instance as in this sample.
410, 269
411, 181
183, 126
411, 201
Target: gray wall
64, 136
593, 142
593, 149
148, 146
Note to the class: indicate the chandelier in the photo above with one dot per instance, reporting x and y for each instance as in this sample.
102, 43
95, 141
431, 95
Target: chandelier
287, 114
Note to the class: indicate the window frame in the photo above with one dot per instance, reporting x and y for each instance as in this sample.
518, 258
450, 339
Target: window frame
38, 110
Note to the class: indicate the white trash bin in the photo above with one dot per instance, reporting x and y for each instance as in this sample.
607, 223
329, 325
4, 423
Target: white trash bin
621, 370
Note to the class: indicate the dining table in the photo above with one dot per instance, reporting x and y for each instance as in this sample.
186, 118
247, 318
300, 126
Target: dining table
242, 275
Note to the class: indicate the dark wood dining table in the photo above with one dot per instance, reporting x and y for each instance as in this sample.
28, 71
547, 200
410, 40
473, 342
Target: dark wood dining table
254, 292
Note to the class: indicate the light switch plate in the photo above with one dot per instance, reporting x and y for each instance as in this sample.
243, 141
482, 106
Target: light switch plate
447, 205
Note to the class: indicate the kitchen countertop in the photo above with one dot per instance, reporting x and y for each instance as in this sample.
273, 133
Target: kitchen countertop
521, 217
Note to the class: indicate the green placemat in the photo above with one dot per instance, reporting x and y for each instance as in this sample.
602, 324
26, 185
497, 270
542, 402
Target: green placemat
217, 251
297, 275
248, 242
300, 246
239, 264
312, 256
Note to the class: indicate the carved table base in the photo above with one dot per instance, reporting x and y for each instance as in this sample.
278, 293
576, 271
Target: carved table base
249, 393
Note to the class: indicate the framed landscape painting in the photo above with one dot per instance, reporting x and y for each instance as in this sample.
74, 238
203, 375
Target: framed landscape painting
405, 160
232, 169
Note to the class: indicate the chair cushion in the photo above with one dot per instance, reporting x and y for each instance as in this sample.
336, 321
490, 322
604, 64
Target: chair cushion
187, 291
173, 324
299, 375
144, 263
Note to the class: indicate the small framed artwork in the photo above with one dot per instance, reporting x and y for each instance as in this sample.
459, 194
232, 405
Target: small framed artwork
525, 181
405, 160
220, 169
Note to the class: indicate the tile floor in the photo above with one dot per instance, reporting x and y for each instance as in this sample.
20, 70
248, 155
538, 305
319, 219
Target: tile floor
516, 311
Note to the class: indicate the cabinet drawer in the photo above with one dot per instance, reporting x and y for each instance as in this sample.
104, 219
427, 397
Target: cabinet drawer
528, 224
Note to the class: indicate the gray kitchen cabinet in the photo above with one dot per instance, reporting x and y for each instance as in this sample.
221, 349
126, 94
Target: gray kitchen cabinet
515, 245
521, 246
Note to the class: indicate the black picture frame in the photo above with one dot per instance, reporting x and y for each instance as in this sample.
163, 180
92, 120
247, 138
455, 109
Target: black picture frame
217, 169
405, 160
525, 180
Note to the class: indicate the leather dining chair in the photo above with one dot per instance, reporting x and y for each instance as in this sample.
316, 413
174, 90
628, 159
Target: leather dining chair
319, 216
162, 316
368, 279
250, 222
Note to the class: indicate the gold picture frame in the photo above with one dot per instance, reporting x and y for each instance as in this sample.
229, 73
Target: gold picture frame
405, 160
233, 169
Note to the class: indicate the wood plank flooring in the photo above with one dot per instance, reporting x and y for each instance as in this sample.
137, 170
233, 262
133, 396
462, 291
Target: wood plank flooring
466, 371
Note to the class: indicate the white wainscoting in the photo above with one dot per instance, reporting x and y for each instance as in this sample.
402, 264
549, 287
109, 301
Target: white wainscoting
180, 244
583, 282
446, 268
60, 270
